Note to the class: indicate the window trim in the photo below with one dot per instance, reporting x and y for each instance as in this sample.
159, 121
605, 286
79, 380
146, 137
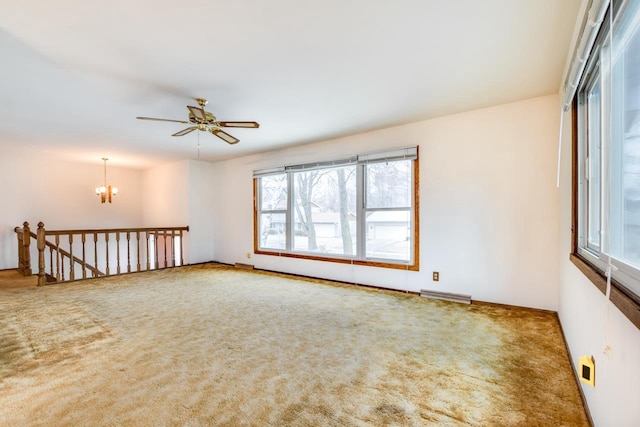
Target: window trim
415, 214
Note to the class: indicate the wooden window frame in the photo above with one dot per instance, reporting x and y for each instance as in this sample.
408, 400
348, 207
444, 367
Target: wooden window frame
414, 266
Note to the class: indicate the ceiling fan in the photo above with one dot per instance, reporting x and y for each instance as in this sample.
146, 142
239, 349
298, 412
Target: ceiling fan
207, 122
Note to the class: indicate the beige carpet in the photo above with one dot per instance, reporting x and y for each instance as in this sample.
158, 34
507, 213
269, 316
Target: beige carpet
211, 345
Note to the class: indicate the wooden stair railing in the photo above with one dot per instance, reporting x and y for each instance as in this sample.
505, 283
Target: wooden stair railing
155, 241
64, 254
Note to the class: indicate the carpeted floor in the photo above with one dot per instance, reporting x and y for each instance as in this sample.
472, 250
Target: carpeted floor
212, 345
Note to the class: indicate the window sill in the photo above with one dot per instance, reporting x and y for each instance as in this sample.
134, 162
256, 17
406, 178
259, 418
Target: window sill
411, 267
626, 302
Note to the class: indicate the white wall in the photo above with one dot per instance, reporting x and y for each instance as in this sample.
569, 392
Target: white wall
488, 204
166, 195
62, 195
178, 194
203, 197
590, 324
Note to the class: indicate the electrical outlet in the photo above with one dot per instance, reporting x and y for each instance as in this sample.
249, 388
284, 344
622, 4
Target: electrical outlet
587, 370
248, 254
436, 276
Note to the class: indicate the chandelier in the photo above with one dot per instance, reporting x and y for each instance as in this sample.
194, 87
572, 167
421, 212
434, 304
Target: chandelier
106, 192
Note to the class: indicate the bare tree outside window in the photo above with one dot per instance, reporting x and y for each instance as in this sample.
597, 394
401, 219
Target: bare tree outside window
322, 212
305, 182
345, 228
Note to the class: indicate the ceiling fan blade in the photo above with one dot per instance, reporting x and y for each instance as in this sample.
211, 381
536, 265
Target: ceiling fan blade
198, 113
239, 124
185, 131
162, 120
224, 136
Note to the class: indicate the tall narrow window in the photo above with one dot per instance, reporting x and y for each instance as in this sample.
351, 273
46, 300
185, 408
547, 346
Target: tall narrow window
593, 167
272, 212
361, 209
388, 208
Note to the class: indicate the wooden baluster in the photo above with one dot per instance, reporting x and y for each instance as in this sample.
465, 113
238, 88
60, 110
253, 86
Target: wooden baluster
95, 254
20, 236
148, 259
128, 252
57, 258
155, 249
51, 261
118, 250
181, 257
164, 244
138, 249
106, 240
42, 277
84, 259
72, 273
173, 248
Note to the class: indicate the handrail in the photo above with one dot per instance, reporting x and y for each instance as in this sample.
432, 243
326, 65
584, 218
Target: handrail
153, 248
114, 230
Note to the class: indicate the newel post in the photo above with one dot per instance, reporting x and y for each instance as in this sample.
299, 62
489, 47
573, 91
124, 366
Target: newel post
25, 264
42, 279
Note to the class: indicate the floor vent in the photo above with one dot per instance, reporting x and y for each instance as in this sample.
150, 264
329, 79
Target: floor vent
244, 266
447, 296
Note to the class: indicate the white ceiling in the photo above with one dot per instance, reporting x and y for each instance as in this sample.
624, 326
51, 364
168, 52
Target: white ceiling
76, 73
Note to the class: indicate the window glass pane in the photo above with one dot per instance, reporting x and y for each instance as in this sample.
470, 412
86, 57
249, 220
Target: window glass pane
272, 230
324, 218
389, 234
388, 184
625, 145
273, 192
593, 150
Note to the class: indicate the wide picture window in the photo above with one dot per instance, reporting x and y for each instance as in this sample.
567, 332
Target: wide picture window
360, 210
608, 172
